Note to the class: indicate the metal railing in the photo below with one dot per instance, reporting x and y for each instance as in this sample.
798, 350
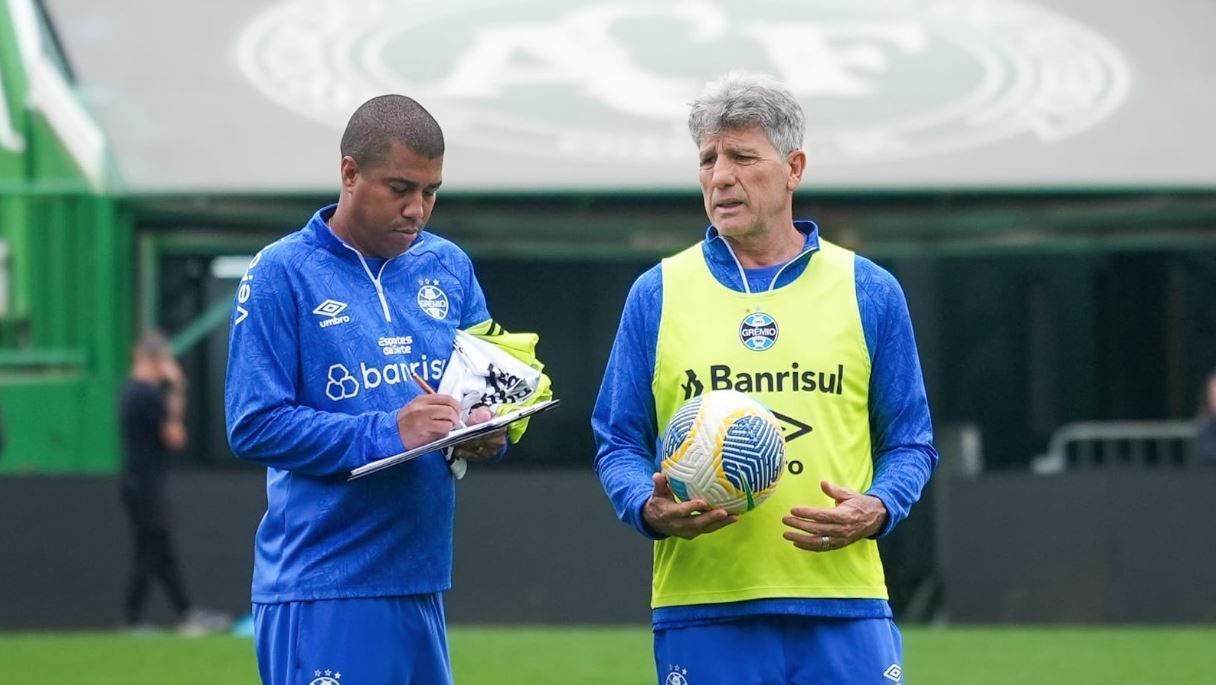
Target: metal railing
1098, 444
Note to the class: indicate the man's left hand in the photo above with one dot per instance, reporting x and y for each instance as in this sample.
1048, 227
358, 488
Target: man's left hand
486, 447
855, 516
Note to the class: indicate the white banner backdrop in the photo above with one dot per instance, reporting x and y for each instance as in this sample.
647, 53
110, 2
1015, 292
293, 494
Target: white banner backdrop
553, 95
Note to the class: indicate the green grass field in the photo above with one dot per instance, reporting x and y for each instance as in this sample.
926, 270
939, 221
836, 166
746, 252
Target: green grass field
536, 656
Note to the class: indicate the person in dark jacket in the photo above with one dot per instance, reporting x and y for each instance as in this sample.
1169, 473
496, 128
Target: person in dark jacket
1205, 439
152, 407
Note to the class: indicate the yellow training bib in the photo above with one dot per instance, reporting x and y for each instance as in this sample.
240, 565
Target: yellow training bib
801, 352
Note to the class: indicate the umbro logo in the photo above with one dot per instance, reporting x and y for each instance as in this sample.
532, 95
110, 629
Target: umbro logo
331, 309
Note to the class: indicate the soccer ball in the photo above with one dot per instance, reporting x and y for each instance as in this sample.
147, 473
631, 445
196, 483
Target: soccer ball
725, 448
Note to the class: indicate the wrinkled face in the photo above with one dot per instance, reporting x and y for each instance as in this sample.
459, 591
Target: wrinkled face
391, 200
747, 185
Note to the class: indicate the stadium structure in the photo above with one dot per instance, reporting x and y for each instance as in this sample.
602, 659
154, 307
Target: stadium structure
1038, 176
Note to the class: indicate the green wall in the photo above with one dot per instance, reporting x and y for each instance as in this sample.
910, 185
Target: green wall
65, 315
63, 341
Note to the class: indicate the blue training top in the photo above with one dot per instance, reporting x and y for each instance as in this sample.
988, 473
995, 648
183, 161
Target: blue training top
319, 362
901, 431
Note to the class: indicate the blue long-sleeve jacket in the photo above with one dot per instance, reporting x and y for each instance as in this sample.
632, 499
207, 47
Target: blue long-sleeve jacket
322, 344
627, 436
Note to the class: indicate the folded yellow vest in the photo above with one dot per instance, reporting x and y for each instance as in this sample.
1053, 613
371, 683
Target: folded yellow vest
521, 346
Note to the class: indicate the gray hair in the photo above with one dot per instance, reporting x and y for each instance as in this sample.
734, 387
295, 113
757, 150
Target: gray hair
740, 99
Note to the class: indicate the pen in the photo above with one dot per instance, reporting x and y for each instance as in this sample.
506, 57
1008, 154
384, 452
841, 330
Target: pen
431, 391
422, 384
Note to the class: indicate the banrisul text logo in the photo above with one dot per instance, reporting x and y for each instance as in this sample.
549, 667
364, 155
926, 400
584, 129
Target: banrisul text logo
342, 383
594, 82
758, 331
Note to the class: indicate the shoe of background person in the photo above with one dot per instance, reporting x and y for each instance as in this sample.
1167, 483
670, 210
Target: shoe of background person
141, 628
204, 622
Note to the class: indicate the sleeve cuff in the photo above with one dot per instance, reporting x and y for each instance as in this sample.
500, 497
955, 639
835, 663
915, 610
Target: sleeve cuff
640, 521
387, 438
891, 522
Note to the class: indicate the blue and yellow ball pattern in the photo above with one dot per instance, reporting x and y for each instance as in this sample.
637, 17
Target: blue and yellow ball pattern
725, 448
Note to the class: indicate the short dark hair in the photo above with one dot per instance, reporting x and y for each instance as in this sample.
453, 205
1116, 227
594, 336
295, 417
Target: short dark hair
388, 119
153, 343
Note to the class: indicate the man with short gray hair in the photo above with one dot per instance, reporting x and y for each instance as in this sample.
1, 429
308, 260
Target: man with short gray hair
792, 592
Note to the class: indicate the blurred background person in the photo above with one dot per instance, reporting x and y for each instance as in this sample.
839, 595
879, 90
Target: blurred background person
152, 409
1205, 440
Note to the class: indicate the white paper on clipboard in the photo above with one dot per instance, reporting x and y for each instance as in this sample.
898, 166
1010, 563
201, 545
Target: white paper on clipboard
456, 437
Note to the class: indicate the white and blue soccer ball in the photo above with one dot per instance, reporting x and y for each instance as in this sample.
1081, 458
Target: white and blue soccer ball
725, 448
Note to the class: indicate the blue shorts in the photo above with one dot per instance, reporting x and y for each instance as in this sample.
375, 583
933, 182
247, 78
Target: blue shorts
366, 641
785, 650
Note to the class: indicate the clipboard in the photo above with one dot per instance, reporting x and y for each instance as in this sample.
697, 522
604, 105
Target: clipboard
456, 437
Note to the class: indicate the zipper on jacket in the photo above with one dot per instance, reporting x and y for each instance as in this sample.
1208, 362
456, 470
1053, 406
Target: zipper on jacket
773, 283
743, 273
375, 280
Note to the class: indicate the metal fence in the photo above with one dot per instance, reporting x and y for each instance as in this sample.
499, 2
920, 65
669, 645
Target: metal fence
1099, 444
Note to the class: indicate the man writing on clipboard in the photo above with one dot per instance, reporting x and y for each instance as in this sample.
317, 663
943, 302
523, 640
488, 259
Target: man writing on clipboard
328, 327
